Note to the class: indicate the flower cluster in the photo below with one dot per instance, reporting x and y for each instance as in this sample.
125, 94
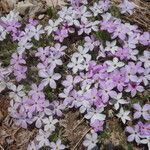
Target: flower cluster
101, 68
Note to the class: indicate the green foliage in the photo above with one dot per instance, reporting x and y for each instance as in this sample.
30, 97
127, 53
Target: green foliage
114, 10
103, 36
52, 12
7, 48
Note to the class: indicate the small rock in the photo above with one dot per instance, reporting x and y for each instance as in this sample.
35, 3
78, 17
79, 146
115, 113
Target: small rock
41, 16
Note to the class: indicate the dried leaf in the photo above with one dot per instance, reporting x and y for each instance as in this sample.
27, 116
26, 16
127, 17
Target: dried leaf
55, 3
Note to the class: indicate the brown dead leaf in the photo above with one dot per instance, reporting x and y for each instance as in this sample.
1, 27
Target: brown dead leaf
75, 128
7, 5
55, 3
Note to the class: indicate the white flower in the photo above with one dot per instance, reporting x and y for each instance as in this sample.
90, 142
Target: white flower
2, 85
42, 138
146, 76
146, 141
127, 6
17, 92
76, 64
123, 115
55, 60
112, 65
96, 9
36, 31
57, 146
117, 101
84, 27
101, 52
94, 26
82, 52
52, 27
90, 141
95, 114
2, 33
146, 59
49, 124
83, 13
132, 41
12, 16
132, 54
111, 47
83, 104
23, 45
49, 77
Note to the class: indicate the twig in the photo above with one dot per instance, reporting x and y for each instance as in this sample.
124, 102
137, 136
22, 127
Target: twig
81, 139
1, 147
78, 124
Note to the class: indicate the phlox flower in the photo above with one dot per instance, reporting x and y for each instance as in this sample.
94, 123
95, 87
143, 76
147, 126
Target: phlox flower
122, 53
76, 64
58, 107
123, 115
42, 53
111, 47
134, 87
39, 119
146, 59
54, 60
142, 111
95, 114
108, 23
57, 146
61, 34
106, 91
119, 80
58, 49
17, 59
120, 31
91, 43
144, 129
23, 45
49, 77
36, 91
146, 141
134, 134
117, 101
132, 41
97, 125
112, 65
49, 124
90, 140
70, 82
146, 76
52, 26
36, 31
100, 7
42, 138
82, 13
13, 15
16, 93
127, 7
66, 96
145, 38
82, 52
83, 105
